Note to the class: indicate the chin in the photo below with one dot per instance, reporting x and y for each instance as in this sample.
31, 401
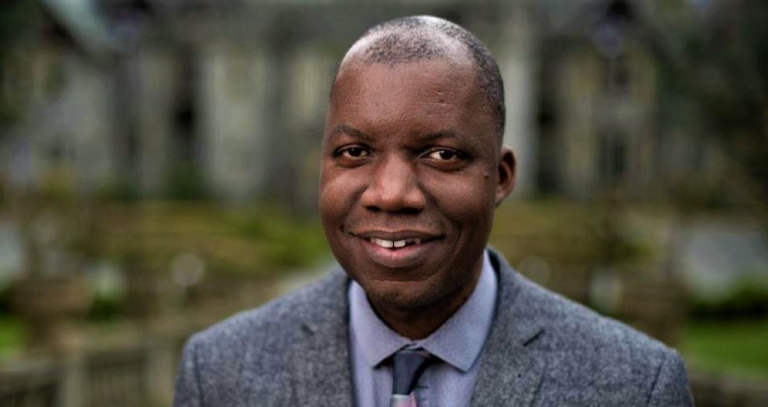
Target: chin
405, 295
394, 299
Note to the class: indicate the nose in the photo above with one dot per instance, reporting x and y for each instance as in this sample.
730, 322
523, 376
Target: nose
394, 187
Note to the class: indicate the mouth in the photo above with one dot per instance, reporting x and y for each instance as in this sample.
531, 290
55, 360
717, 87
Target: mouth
400, 249
395, 244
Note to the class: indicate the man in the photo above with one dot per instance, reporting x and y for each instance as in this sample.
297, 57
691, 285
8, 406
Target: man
412, 171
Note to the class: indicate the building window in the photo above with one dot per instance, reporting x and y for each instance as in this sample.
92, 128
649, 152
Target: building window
617, 77
613, 157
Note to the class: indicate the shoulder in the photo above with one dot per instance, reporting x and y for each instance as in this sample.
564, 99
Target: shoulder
270, 329
575, 328
251, 355
559, 324
588, 357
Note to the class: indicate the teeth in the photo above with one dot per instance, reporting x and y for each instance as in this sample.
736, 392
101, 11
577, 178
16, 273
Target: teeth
388, 244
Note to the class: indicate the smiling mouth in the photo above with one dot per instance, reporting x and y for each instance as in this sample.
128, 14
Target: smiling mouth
399, 249
395, 244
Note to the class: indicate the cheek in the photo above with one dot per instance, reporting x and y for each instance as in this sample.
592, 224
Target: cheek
339, 191
467, 199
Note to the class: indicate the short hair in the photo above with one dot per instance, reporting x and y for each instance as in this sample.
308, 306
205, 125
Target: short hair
412, 39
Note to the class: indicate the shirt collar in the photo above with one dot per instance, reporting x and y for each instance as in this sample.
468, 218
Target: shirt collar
457, 342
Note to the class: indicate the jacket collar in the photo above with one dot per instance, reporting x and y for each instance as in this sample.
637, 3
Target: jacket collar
513, 373
321, 356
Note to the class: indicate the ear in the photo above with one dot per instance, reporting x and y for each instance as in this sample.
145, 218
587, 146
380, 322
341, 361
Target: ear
507, 168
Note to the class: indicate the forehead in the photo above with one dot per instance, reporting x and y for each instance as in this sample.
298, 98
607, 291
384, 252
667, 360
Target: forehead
414, 97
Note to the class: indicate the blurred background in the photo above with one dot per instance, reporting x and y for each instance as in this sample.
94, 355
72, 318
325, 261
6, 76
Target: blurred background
159, 165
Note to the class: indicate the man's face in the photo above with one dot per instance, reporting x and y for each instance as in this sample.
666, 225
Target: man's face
411, 174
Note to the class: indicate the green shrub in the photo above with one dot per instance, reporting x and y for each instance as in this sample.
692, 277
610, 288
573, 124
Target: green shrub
106, 308
5, 299
286, 241
186, 183
747, 300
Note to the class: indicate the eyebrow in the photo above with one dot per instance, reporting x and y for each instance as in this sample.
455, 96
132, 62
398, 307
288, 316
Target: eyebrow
350, 131
443, 134
353, 132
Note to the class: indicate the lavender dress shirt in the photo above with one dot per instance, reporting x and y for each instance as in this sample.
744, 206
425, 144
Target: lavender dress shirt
458, 344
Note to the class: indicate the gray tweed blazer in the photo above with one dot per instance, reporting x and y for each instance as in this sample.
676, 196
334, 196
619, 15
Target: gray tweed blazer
543, 350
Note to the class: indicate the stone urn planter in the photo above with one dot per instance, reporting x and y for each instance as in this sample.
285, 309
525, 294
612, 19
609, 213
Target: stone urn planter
50, 306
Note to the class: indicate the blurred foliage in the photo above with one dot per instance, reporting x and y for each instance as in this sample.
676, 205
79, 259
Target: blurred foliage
593, 234
233, 243
117, 191
15, 20
5, 300
11, 336
186, 183
718, 60
247, 240
733, 347
57, 189
106, 307
19, 19
748, 299
4, 195
287, 241
700, 194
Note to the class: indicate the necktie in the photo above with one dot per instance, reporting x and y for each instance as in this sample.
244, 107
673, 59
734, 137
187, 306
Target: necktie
408, 366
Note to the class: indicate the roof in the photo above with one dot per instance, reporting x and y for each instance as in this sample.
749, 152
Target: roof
83, 22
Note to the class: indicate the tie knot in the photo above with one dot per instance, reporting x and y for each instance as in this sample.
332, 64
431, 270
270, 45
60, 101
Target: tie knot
408, 365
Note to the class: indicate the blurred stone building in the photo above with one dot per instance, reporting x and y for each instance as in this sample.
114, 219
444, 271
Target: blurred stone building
226, 99
56, 81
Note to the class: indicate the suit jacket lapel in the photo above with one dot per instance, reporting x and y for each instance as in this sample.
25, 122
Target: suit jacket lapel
321, 356
511, 369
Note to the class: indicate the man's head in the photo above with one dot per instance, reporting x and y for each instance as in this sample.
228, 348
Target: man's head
412, 165
421, 38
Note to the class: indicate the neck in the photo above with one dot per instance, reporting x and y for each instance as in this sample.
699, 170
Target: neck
419, 323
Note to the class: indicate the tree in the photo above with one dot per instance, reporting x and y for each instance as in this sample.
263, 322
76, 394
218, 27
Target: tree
17, 23
715, 53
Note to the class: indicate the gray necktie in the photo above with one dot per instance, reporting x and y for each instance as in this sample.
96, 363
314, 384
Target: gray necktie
408, 365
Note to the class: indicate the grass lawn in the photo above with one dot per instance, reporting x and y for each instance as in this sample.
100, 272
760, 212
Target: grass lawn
11, 336
733, 347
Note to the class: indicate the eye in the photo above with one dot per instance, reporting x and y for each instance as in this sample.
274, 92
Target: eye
354, 152
352, 156
444, 155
